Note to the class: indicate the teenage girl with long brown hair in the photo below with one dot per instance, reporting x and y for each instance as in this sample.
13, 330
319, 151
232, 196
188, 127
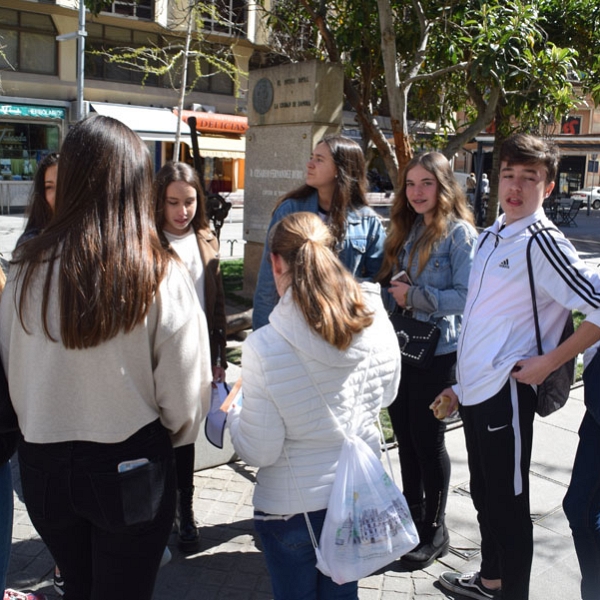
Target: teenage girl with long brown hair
112, 324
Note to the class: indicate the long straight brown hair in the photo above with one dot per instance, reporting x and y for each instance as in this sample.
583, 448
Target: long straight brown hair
111, 261
350, 191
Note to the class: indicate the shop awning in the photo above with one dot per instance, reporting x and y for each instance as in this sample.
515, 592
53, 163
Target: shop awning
221, 147
151, 124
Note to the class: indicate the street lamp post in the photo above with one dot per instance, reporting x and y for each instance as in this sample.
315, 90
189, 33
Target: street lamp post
80, 34
594, 157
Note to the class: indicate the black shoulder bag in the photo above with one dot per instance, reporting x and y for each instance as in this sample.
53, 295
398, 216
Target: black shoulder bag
418, 339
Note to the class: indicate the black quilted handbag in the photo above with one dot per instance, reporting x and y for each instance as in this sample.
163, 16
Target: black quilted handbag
418, 339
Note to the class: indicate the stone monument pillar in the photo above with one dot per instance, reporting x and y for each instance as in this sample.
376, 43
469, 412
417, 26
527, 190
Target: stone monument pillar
290, 108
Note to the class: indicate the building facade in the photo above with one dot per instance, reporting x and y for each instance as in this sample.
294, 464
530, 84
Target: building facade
42, 90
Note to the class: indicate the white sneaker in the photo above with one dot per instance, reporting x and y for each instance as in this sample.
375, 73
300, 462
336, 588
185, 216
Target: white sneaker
468, 584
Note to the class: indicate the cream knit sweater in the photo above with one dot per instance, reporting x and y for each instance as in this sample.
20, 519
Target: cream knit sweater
106, 393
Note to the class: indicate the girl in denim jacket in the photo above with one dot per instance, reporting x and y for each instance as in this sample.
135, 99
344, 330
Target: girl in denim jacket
432, 238
335, 189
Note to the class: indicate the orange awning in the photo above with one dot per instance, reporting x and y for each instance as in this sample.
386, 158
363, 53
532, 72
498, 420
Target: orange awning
216, 122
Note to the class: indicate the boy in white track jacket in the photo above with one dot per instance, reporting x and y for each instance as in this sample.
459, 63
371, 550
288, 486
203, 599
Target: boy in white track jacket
498, 365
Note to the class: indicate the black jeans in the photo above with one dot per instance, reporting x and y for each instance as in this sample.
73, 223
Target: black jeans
582, 502
499, 436
582, 506
106, 529
424, 461
184, 465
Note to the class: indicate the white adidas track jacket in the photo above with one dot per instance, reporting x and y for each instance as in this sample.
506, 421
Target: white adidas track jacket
498, 328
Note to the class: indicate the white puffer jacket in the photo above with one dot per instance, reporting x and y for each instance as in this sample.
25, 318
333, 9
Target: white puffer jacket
283, 409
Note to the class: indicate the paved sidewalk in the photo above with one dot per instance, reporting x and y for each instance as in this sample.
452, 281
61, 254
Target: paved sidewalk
230, 566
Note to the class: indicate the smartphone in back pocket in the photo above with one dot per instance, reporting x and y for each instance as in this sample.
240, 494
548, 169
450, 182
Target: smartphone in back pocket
128, 465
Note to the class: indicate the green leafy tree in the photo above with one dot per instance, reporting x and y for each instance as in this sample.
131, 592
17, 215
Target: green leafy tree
485, 60
515, 74
576, 24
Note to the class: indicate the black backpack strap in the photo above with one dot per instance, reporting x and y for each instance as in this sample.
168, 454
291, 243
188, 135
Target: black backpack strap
534, 232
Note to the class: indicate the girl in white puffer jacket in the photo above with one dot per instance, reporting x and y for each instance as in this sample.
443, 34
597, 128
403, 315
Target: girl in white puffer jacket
329, 341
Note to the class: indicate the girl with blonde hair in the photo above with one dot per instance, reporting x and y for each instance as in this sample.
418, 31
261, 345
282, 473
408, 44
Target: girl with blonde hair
329, 345
431, 237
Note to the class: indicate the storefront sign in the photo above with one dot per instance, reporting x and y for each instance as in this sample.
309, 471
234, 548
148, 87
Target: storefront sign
22, 110
215, 122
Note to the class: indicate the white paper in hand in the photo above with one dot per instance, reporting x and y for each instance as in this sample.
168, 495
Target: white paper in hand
214, 427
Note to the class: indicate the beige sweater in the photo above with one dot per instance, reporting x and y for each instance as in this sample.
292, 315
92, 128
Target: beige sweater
107, 393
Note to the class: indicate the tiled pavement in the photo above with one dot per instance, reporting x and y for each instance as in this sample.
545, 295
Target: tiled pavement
229, 565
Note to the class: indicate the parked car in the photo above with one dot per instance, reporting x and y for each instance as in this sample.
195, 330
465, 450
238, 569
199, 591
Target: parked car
585, 193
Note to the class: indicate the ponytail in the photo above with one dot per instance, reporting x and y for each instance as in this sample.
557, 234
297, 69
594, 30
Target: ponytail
330, 299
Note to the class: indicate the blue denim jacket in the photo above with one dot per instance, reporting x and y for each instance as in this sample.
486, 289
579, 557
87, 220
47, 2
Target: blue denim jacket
439, 292
361, 251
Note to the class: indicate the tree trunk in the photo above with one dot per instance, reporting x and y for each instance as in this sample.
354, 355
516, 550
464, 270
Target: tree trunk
368, 125
188, 37
499, 137
485, 115
403, 148
397, 95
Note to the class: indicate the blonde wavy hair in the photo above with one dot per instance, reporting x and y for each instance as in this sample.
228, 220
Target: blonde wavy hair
451, 206
324, 290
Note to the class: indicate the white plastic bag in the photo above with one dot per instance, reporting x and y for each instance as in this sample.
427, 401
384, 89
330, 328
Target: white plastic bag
368, 524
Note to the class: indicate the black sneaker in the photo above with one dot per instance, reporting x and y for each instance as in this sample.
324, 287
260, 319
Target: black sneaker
468, 584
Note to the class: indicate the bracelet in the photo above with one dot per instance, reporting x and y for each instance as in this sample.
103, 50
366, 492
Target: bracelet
406, 306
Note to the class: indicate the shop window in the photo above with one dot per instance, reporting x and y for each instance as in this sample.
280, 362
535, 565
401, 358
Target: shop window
218, 175
29, 42
232, 18
23, 145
